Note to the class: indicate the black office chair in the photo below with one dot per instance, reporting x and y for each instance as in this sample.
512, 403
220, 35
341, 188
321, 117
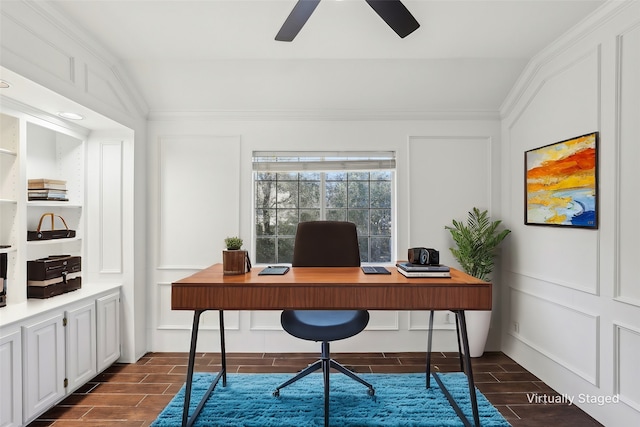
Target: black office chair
325, 244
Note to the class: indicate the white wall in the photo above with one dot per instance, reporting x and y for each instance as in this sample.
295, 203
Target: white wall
444, 168
578, 310
574, 293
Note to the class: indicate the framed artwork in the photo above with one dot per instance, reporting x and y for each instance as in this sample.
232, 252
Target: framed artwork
561, 183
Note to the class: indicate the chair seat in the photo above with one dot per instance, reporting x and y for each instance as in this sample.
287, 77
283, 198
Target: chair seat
324, 325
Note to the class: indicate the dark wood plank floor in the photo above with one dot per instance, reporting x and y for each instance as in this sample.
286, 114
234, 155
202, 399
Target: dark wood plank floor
134, 394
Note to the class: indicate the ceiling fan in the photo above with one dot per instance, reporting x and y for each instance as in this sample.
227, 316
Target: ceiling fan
393, 12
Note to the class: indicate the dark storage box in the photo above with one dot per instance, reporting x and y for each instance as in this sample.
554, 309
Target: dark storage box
54, 275
55, 289
52, 266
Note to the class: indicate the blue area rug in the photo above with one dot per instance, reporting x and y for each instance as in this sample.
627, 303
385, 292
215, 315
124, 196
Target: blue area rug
401, 400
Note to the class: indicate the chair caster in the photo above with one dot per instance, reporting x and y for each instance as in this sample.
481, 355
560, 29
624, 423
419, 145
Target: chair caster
276, 393
371, 392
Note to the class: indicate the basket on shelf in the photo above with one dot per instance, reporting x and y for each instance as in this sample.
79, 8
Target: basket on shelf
40, 234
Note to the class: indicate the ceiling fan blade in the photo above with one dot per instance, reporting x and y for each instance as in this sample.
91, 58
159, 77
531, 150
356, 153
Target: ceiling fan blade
396, 15
296, 20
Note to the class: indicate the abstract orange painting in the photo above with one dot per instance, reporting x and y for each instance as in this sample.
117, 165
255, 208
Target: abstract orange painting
561, 183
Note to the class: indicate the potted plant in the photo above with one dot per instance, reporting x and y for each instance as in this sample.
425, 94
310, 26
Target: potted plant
476, 243
234, 260
233, 243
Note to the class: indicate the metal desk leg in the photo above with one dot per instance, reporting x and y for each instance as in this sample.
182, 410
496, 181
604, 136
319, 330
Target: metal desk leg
460, 358
468, 370
192, 360
429, 339
223, 352
465, 364
186, 421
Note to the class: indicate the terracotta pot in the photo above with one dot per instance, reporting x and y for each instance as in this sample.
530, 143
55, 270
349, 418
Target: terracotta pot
234, 262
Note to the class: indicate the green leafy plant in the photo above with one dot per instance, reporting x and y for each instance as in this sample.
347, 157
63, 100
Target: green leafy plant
233, 243
476, 243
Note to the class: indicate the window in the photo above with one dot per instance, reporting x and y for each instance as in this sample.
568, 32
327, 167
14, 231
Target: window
305, 186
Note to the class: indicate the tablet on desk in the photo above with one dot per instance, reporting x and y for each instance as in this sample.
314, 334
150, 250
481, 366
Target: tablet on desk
277, 270
370, 269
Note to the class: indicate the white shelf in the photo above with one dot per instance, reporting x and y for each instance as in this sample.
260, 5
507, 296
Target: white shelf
53, 204
53, 241
8, 250
8, 202
8, 152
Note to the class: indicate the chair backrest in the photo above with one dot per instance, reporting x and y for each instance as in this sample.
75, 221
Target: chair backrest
326, 244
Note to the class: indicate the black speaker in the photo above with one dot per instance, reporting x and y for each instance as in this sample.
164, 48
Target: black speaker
426, 256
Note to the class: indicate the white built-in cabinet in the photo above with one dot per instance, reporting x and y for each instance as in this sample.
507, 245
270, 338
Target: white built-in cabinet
43, 364
48, 347
108, 327
11, 374
48, 355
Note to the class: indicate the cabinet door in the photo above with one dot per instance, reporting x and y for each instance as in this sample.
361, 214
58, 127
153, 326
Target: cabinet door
108, 330
11, 383
43, 370
81, 346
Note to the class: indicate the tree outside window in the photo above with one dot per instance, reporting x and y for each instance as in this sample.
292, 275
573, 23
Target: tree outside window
284, 199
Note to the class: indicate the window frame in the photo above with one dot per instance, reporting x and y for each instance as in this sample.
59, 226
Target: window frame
363, 159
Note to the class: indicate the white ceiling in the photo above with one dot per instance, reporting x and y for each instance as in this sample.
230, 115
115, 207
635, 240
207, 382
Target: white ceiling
220, 55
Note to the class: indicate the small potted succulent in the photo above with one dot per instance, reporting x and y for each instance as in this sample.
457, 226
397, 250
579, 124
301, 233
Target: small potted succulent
234, 260
233, 243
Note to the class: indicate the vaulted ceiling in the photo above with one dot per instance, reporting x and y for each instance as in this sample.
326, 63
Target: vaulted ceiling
220, 55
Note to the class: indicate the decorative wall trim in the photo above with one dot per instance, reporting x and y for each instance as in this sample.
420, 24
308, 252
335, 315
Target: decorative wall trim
105, 59
619, 386
419, 321
320, 115
194, 268
185, 239
592, 377
528, 96
559, 48
110, 201
256, 324
101, 88
384, 321
619, 179
553, 281
182, 320
60, 64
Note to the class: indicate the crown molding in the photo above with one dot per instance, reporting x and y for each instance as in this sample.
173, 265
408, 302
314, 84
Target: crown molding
320, 115
573, 36
51, 13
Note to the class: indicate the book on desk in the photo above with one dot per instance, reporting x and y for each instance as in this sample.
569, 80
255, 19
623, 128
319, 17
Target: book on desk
419, 270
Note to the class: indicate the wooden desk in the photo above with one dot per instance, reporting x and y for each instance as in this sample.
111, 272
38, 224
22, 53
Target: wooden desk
331, 288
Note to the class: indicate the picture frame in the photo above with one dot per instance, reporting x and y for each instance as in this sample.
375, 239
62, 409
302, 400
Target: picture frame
561, 183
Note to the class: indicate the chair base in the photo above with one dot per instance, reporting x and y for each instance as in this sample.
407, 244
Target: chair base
325, 363
316, 366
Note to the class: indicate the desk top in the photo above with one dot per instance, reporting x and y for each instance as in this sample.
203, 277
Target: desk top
318, 288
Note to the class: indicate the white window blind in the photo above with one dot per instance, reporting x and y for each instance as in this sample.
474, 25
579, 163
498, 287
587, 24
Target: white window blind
295, 161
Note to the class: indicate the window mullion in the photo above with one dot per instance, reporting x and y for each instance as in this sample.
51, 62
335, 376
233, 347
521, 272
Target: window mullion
323, 196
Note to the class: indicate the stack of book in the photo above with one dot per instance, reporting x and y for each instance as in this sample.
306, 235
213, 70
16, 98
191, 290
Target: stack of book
408, 269
48, 189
